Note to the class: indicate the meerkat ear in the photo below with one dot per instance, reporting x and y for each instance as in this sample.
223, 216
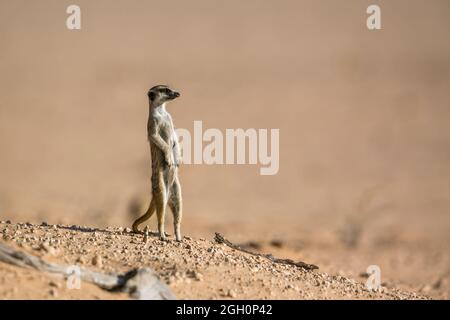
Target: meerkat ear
151, 95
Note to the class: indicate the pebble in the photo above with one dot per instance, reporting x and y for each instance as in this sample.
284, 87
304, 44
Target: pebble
81, 259
198, 276
54, 284
53, 292
97, 261
49, 249
231, 293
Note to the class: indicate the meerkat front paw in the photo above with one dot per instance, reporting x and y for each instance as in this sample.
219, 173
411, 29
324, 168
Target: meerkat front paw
169, 161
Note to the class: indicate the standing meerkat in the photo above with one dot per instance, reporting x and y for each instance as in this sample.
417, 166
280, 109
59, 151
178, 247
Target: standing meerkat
165, 153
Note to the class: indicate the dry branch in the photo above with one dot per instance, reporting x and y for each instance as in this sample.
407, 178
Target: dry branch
220, 239
141, 284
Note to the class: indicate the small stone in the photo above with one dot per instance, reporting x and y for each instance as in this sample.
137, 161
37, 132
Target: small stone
231, 293
427, 288
53, 292
198, 276
49, 249
277, 243
81, 259
97, 261
54, 284
439, 283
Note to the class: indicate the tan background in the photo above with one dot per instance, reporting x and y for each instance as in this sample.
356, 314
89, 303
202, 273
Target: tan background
363, 119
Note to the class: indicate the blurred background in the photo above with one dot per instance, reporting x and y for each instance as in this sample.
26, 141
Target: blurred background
363, 116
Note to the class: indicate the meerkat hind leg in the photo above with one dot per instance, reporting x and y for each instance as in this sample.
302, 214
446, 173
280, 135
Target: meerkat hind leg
160, 204
145, 217
176, 206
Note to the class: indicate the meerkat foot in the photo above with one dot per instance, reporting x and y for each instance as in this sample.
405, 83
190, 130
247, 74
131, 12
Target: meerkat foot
163, 237
178, 236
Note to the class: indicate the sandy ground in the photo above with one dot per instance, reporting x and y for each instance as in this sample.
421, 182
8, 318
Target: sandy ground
194, 269
363, 118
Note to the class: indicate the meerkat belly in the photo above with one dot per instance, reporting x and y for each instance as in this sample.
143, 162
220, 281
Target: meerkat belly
160, 168
167, 133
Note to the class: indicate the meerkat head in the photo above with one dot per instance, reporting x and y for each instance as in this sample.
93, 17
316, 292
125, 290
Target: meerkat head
160, 94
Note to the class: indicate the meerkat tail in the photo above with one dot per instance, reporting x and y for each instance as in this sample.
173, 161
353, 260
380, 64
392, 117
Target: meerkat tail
145, 217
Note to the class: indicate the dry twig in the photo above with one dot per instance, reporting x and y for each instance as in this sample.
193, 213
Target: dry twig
141, 284
220, 239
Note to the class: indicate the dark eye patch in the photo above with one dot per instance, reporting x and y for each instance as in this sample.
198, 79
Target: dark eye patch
167, 91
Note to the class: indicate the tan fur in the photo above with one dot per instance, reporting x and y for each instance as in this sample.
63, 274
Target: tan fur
165, 153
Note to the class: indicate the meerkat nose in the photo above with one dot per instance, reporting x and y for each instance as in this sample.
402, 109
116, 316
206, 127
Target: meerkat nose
176, 94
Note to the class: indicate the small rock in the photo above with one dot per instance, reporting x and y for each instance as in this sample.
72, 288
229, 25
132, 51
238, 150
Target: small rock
49, 249
97, 261
81, 260
198, 276
438, 284
54, 284
277, 243
53, 292
427, 288
231, 293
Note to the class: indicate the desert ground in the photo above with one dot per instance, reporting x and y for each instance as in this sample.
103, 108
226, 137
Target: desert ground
364, 142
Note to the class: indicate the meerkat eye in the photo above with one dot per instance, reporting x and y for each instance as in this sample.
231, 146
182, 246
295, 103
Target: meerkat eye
167, 91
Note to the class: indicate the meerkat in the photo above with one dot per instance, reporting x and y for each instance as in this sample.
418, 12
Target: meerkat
165, 154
